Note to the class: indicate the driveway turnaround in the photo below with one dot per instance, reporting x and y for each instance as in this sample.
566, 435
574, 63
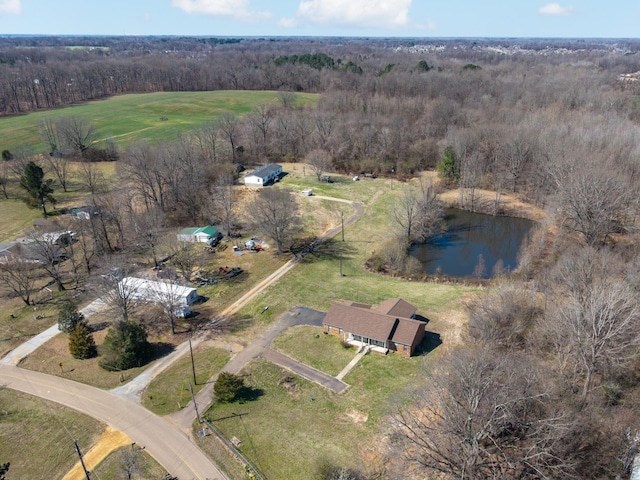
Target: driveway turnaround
170, 447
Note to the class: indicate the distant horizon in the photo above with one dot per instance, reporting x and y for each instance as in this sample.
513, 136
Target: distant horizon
409, 37
547, 19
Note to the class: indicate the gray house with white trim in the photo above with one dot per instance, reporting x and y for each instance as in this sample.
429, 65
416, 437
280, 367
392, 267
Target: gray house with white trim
263, 176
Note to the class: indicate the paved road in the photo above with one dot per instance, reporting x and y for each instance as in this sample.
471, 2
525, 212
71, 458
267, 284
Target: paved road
170, 447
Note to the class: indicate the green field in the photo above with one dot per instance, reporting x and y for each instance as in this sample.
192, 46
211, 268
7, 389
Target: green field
126, 118
36, 436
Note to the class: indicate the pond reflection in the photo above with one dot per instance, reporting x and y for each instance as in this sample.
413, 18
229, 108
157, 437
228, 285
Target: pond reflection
473, 244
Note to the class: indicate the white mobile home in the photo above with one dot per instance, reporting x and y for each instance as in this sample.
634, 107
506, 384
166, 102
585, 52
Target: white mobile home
263, 176
176, 297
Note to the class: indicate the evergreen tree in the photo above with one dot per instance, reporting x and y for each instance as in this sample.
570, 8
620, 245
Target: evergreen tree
125, 346
69, 317
227, 387
39, 190
448, 166
81, 343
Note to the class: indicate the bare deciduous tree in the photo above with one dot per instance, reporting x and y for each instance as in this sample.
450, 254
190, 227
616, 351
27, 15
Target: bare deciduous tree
48, 131
224, 200
77, 134
48, 250
91, 176
120, 295
274, 212
481, 417
20, 275
229, 126
60, 167
599, 332
417, 213
593, 203
185, 258
503, 316
319, 161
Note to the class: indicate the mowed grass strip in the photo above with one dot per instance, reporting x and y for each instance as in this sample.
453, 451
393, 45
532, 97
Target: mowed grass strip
37, 436
169, 391
153, 116
312, 347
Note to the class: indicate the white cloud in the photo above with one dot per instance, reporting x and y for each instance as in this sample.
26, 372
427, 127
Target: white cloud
231, 8
356, 13
432, 24
10, 6
555, 9
287, 22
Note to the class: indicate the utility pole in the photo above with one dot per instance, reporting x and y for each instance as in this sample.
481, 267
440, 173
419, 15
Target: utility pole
75, 444
342, 221
193, 365
195, 405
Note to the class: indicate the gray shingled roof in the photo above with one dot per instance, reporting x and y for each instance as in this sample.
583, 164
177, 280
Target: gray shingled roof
266, 170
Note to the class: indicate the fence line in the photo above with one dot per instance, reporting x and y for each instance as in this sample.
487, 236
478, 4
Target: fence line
233, 449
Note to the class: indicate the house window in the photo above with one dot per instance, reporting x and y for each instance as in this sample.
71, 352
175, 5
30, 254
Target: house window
329, 328
405, 348
340, 331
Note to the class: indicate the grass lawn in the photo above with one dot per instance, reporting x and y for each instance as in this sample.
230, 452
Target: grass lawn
126, 118
25, 323
162, 397
313, 425
48, 357
112, 466
15, 218
37, 436
312, 347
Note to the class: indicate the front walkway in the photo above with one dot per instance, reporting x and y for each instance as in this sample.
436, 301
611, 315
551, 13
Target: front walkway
353, 363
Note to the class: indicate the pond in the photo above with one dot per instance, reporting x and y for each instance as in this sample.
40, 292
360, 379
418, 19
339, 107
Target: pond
472, 244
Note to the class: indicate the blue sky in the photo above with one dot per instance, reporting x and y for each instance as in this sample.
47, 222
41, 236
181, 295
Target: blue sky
380, 18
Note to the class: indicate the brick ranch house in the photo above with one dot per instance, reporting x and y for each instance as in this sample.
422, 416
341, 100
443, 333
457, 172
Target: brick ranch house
391, 326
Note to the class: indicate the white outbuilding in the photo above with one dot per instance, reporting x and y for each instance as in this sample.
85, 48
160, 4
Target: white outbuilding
263, 176
176, 297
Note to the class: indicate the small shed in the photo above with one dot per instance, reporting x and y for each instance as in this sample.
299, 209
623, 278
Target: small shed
199, 234
263, 176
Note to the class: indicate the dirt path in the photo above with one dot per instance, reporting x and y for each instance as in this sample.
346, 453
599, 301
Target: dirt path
110, 440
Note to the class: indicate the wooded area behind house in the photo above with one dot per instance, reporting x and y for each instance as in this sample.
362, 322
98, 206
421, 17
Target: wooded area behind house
544, 383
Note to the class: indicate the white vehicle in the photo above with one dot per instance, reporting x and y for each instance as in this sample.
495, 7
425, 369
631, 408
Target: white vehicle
308, 192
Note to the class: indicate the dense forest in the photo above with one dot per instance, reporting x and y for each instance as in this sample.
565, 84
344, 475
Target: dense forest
547, 384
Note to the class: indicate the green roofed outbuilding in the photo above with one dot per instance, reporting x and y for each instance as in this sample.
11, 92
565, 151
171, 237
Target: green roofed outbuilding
208, 234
